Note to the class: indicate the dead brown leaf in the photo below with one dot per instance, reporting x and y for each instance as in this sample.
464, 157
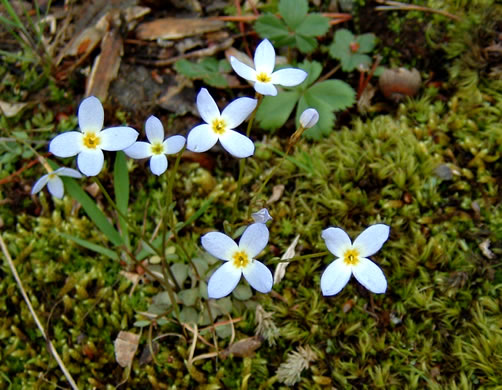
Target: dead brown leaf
242, 348
177, 28
126, 345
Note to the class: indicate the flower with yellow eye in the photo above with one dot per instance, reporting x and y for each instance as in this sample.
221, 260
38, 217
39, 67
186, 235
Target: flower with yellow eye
239, 260
353, 259
157, 148
263, 74
91, 140
220, 126
54, 182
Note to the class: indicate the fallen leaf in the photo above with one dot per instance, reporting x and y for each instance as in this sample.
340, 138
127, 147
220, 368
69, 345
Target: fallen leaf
280, 270
126, 345
11, 109
242, 348
485, 249
177, 28
277, 191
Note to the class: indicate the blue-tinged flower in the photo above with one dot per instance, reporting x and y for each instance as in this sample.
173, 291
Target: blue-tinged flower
353, 259
157, 148
54, 182
239, 260
261, 216
91, 140
309, 118
263, 75
220, 126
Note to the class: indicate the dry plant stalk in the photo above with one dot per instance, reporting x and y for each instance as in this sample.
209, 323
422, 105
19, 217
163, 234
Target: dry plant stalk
290, 371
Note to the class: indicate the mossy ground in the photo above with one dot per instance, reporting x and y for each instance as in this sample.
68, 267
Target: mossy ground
430, 168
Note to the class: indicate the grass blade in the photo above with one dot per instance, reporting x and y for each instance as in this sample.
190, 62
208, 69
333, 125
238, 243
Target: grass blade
121, 186
90, 245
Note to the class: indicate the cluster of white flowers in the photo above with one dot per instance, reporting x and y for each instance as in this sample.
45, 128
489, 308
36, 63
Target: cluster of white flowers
240, 259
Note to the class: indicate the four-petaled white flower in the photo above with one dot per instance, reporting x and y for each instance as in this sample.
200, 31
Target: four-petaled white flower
261, 216
91, 140
353, 259
54, 182
263, 74
220, 127
239, 261
157, 148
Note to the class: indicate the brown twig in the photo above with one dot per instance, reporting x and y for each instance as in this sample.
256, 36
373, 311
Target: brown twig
397, 6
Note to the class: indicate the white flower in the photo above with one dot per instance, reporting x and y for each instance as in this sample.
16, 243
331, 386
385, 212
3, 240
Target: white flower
157, 148
219, 127
91, 140
239, 259
262, 216
353, 259
54, 183
309, 118
263, 74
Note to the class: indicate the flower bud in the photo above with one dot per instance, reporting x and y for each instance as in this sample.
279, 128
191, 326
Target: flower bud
309, 118
262, 216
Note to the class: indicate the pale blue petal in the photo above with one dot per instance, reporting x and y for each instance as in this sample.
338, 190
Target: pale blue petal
154, 129
243, 70
174, 144
90, 162
238, 111
264, 57
55, 187
254, 239
158, 164
91, 115
335, 277
223, 281
66, 144
370, 275
371, 240
289, 77
267, 89
117, 138
139, 150
219, 245
336, 240
63, 171
238, 145
207, 107
201, 138
39, 184
259, 276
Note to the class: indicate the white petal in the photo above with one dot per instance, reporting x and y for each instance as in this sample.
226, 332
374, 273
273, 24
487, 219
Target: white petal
201, 138
370, 276
66, 144
336, 240
55, 187
90, 162
139, 150
264, 57
238, 145
262, 216
63, 171
243, 70
158, 164
371, 240
267, 89
207, 107
117, 138
289, 77
219, 245
174, 144
154, 129
309, 118
39, 184
223, 281
91, 114
335, 277
238, 111
254, 239
258, 276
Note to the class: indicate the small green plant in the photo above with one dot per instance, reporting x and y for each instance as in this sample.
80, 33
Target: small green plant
351, 50
297, 28
209, 70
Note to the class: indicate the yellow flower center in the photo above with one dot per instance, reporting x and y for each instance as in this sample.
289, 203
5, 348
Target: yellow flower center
351, 257
52, 175
91, 140
263, 77
219, 126
157, 148
240, 259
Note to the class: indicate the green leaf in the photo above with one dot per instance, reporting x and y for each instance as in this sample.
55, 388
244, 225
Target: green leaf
313, 25
269, 26
366, 43
274, 111
242, 292
208, 69
313, 69
337, 94
92, 210
293, 11
326, 118
305, 44
340, 48
90, 245
121, 186
354, 61
189, 297
189, 315
180, 272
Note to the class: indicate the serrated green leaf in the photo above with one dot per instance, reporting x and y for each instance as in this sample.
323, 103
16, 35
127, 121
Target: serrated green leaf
92, 210
242, 292
336, 94
215, 80
340, 48
274, 111
187, 68
208, 69
305, 44
121, 187
326, 117
293, 11
313, 25
354, 61
366, 43
269, 26
313, 69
